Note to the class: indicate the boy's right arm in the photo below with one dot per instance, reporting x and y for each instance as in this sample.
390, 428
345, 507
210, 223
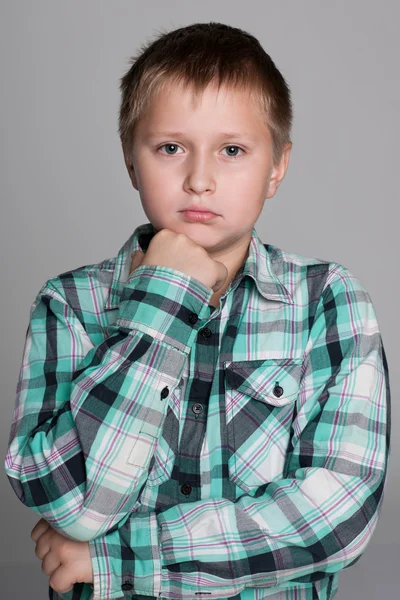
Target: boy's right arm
87, 417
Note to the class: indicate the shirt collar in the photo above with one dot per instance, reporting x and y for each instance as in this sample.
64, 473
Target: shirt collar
258, 266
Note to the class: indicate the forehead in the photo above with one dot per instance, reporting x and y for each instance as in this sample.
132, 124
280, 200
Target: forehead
195, 98
227, 108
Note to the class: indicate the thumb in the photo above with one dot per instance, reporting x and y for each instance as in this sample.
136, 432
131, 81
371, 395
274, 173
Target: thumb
62, 580
136, 259
222, 275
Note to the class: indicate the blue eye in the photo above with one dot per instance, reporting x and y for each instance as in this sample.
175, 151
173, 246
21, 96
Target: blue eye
174, 146
169, 146
232, 146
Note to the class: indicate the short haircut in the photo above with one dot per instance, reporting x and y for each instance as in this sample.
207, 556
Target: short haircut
196, 56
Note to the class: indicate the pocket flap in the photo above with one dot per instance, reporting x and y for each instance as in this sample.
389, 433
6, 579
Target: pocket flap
272, 380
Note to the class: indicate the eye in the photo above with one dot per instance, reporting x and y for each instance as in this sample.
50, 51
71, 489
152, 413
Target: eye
169, 146
230, 148
173, 147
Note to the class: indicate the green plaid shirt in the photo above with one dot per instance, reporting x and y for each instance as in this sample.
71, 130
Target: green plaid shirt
231, 452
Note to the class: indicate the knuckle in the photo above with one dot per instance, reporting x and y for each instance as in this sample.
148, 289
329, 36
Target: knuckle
63, 547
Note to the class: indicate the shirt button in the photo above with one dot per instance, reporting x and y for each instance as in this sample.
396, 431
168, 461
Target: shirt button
278, 391
206, 332
197, 409
126, 586
186, 489
164, 393
193, 318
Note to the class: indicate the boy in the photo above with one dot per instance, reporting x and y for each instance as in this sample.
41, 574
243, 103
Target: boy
204, 415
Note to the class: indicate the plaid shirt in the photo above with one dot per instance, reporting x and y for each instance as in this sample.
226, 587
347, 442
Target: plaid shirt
231, 452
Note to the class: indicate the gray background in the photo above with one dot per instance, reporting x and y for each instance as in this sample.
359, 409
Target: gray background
66, 198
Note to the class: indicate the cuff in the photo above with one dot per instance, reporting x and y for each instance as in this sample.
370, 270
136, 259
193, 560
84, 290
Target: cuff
127, 561
164, 303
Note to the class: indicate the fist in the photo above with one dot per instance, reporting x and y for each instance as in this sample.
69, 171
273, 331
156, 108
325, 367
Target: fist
65, 561
177, 251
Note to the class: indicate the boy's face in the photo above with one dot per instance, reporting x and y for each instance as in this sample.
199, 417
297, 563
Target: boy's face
230, 176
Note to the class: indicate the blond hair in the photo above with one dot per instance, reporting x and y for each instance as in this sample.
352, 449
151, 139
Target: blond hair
196, 56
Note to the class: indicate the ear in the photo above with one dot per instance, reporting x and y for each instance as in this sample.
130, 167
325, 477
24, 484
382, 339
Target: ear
279, 171
129, 165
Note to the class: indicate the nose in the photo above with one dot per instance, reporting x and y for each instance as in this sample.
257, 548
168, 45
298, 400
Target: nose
200, 175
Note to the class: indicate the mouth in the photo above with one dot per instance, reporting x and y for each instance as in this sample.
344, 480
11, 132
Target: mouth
199, 215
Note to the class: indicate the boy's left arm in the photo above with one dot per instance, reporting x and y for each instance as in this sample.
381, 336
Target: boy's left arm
315, 521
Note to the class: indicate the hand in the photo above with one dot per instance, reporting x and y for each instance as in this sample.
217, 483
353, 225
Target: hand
177, 251
66, 561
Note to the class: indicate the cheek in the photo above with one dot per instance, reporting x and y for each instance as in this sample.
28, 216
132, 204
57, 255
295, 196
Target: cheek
246, 207
158, 207
249, 183
157, 183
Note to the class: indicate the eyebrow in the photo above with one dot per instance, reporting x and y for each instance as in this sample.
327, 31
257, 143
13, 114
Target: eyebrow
229, 134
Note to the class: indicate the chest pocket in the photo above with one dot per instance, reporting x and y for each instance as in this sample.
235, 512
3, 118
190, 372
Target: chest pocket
260, 398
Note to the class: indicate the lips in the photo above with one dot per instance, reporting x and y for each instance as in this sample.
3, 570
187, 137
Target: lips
196, 215
197, 209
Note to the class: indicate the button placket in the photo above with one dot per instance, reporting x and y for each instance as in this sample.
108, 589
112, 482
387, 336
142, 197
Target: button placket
186, 489
126, 586
206, 332
197, 409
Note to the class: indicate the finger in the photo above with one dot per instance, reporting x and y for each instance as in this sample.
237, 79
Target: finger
62, 580
50, 563
40, 527
137, 257
222, 275
43, 545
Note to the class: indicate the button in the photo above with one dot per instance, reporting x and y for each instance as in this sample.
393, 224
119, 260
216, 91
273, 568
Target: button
164, 393
278, 391
186, 489
126, 586
206, 332
197, 409
193, 318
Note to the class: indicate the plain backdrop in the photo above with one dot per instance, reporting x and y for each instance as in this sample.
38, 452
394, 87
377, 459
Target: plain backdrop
66, 198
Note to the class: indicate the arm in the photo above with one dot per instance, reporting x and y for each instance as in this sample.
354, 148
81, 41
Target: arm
80, 440
315, 521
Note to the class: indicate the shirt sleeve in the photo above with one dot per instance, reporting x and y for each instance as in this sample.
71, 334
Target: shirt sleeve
315, 521
87, 417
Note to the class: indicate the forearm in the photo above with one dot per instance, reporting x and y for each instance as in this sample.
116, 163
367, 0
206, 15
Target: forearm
88, 445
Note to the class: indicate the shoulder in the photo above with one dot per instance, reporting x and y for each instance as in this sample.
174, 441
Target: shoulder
284, 262
88, 279
319, 281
